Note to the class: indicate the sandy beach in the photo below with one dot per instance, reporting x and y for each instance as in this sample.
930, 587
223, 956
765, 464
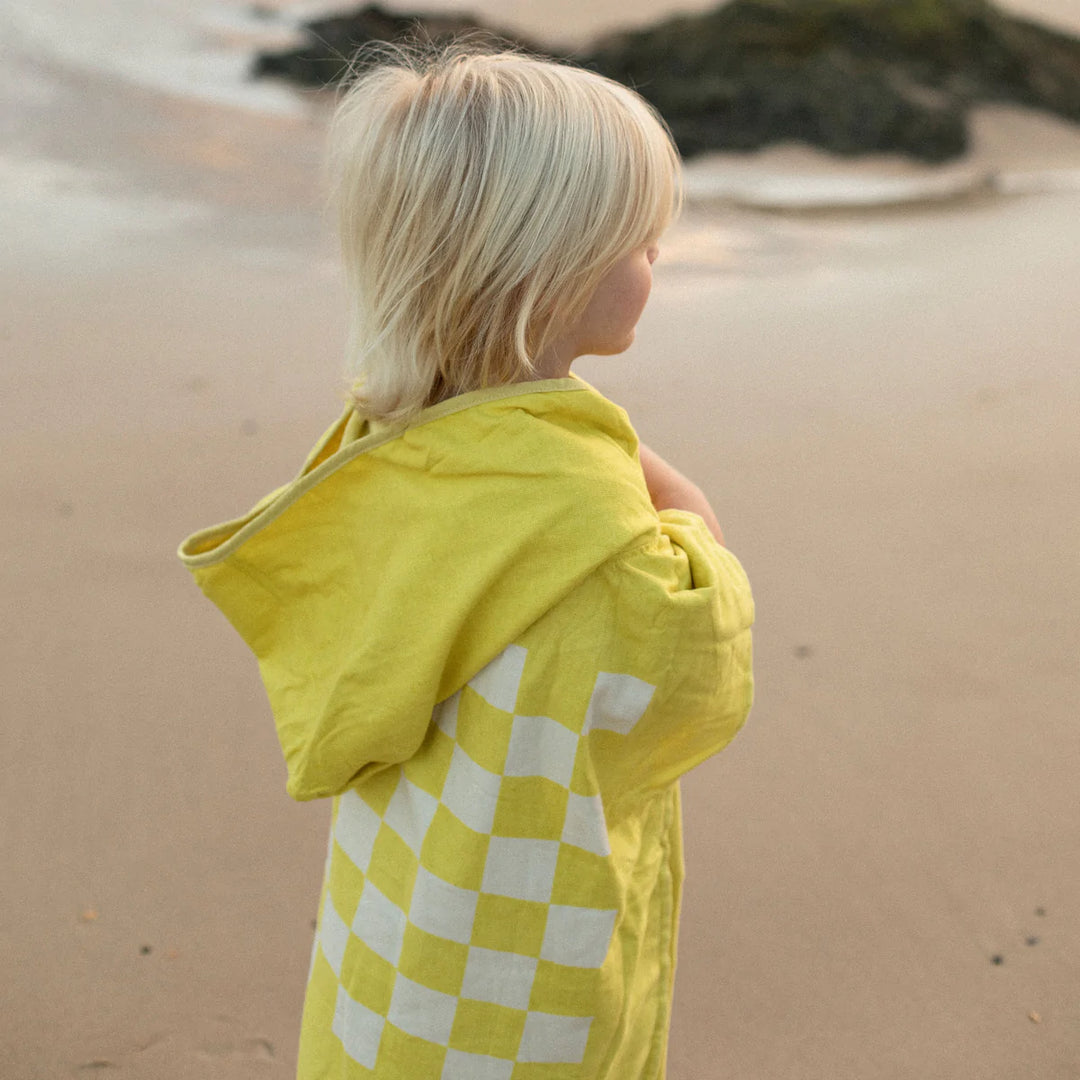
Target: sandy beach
882, 403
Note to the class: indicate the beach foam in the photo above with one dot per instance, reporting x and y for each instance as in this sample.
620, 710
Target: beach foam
201, 51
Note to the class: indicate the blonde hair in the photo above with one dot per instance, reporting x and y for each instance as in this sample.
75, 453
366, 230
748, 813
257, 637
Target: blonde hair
481, 197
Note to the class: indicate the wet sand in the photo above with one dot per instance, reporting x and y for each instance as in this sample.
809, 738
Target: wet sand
883, 869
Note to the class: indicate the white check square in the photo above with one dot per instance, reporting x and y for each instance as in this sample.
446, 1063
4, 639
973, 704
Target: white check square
355, 829
498, 683
523, 869
618, 702
442, 909
554, 1039
577, 937
333, 935
358, 1028
420, 1011
540, 746
380, 924
410, 812
445, 715
585, 825
471, 792
462, 1066
503, 978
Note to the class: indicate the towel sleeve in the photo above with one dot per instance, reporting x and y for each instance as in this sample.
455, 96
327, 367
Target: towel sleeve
679, 637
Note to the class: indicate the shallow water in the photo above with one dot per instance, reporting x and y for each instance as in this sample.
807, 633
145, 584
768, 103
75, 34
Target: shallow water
202, 48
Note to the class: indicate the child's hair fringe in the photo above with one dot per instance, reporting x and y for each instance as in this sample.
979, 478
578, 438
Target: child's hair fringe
481, 193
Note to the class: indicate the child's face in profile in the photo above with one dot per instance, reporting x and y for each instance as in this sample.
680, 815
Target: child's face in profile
606, 327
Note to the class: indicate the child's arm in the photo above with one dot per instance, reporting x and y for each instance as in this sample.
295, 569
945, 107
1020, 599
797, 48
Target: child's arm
670, 490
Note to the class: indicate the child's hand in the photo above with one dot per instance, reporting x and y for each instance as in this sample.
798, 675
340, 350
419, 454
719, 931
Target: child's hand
670, 490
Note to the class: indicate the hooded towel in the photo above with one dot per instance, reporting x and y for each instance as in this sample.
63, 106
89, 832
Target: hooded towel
481, 640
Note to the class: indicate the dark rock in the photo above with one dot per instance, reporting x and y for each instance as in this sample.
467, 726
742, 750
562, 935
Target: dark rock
849, 76
327, 57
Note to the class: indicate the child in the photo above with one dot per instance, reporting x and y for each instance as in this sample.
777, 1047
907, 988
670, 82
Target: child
493, 635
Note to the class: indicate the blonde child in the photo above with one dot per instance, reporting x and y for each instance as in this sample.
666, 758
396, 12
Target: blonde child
493, 628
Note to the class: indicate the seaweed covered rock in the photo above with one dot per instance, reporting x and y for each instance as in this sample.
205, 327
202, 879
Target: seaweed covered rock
849, 76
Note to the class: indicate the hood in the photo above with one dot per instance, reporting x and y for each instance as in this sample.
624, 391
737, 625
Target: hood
397, 564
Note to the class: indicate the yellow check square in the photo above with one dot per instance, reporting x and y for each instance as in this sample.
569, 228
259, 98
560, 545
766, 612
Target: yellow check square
510, 925
570, 991
584, 879
345, 883
453, 851
393, 867
405, 1057
483, 1028
427, 770
483, 731
434, 962
531, 807
368, 976
378, 788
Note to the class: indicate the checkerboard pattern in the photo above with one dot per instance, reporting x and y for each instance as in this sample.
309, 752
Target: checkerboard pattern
469, 902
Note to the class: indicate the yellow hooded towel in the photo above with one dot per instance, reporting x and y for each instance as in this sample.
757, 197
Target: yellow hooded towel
479, 637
